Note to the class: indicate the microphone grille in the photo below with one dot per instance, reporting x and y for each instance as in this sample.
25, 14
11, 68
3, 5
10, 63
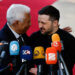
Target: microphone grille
55, 37
39, 53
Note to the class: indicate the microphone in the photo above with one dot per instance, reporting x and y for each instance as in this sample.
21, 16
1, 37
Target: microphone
3, 51
14, 54
26, 53
59, 46
26, 57
56, 42
51, 55
14, 48
51, 58
39, 57
3, 47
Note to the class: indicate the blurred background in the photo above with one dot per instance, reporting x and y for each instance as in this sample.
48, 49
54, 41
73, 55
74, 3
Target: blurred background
67, 11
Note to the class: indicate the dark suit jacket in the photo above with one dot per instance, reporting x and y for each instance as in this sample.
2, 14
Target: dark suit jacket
7, 35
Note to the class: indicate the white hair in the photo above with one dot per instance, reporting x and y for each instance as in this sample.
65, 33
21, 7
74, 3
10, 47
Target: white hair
16, 12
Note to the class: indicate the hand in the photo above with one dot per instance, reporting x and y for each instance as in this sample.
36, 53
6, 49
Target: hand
33, 71
68, 29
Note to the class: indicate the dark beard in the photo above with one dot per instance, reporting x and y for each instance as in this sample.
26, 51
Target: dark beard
46, 33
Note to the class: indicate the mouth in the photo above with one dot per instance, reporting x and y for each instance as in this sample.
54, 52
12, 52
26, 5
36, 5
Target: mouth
42, 30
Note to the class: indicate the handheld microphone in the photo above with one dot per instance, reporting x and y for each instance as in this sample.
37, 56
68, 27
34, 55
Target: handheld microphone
39, 57
26, 57
51, 58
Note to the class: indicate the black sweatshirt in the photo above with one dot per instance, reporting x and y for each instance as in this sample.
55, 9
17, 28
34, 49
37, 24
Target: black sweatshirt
68, 54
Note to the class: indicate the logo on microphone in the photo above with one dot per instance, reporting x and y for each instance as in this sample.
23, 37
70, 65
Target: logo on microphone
56, 44
51, 56
39, 53
14, 47
26, 52
36, 53
23, 60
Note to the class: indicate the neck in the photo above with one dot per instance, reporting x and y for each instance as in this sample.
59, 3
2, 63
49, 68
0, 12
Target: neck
54, 30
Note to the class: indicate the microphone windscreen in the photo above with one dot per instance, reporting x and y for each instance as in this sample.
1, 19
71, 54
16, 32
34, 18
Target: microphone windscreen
14, 48
26, 53
56, 42
39, 53
55, 37
51, 55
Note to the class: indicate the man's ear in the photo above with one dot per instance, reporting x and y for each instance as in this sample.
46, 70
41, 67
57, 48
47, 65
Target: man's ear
16, 23
55, 23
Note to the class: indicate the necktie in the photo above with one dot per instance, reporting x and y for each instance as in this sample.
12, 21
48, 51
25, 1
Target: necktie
21, 41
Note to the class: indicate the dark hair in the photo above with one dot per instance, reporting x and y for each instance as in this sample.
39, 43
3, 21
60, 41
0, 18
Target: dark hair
51, 11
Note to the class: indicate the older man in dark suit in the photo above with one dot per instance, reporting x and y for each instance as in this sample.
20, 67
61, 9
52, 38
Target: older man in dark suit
18, 22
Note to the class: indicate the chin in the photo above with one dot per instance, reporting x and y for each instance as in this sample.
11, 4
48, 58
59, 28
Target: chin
21, 32
43, 33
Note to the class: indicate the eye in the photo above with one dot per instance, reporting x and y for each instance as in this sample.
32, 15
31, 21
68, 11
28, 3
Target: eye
43, 22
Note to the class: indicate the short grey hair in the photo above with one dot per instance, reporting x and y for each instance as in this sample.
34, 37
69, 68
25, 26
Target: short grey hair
16, 12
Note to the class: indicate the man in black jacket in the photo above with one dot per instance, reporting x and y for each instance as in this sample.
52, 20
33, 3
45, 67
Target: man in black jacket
18, 22
48, 20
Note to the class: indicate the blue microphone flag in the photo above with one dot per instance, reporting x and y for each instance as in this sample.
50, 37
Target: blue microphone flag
26, 53
14, 48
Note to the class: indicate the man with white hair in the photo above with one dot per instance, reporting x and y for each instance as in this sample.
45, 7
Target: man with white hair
18, 22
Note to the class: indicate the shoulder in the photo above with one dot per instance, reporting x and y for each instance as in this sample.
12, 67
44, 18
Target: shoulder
35, 34
4, 29
65, 35
4, 32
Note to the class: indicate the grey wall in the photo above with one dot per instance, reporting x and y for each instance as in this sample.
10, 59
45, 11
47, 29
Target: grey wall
67, 12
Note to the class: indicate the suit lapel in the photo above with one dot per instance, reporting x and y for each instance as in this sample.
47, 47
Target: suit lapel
9, 35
